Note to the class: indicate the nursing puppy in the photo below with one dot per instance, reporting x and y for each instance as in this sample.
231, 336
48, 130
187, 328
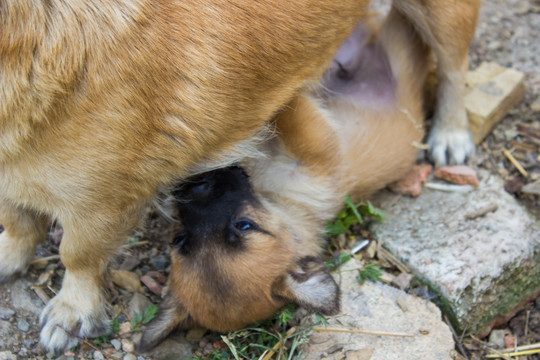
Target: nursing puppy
249, 243
104, 102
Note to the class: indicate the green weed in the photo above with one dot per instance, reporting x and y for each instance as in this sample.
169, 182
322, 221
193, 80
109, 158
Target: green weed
371, 271
104, 339
144, 318
352, 214
258, 340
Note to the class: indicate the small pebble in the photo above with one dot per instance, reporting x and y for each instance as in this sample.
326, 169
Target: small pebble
98, 355
29, 343
159, 262
130, 357
129, 263
23, 353
116, 344
125, 328
6, 314
496, 338
23, 325
128, 346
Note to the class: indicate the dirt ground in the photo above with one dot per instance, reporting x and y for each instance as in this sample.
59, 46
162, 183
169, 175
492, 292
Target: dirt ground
508, 33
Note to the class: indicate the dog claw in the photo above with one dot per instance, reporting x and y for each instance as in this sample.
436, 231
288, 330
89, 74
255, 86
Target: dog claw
450, 147
64, 323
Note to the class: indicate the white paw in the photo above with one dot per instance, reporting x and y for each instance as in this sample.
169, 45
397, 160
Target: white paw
450, 146
71, 315
14, 257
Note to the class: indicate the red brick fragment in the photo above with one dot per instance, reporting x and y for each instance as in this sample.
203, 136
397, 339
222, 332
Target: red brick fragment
151, 284
458, 174
159, 277
509, 341
411, 184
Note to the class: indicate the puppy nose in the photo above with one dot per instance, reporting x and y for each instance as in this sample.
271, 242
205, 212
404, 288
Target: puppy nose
200, 189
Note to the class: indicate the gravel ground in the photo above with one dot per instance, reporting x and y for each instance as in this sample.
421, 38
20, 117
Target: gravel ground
508, 33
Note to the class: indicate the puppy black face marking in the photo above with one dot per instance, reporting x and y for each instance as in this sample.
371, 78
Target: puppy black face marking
209, 205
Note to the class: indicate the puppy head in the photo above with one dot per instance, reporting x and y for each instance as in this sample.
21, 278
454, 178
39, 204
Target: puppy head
234, 261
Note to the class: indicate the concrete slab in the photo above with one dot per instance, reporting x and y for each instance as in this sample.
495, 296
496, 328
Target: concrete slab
379, 307
483, 268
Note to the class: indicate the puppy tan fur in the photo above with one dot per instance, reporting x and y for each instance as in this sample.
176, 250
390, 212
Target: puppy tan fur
240, 266
103, 102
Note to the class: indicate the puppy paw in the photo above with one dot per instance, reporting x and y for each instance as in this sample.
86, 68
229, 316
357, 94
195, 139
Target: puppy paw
70, 316
14, 258
450, 146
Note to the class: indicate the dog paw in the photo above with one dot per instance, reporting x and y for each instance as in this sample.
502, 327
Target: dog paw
71, 316
450, 146
13, 257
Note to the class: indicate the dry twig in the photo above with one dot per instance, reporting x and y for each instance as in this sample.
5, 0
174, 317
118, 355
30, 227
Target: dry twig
516, 163
481, 212
140, 243
41, 294
268, 355
364, 332
38, 260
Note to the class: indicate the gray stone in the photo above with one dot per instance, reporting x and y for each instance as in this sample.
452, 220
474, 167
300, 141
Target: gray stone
7, 355
29, 343
532, 188
23, 353
130, 263
116, 344
138, 304
496, 338
23, 298
130, 357
174, 347
160, 262
6, 334
376, 307
6, 314
23, 325
98, 355
481, 268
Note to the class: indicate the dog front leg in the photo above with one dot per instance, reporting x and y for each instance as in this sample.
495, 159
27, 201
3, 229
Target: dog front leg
448, 28
23, 230
79, 310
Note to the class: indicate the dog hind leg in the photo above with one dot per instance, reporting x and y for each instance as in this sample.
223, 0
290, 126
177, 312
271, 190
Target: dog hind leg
23, 230
448, 30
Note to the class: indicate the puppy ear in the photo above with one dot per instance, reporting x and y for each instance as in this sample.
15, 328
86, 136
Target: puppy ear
171, 315
311, 286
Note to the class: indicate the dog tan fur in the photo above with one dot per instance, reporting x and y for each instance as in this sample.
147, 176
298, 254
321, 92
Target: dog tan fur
103, 102
329, 143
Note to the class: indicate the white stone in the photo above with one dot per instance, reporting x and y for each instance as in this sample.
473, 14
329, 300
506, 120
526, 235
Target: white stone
379, 307
475, 262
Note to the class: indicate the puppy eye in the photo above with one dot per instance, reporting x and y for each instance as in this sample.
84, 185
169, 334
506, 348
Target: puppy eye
179, 239
244, 225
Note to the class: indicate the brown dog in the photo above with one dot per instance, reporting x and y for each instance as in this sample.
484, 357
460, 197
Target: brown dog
250, 245
103, 102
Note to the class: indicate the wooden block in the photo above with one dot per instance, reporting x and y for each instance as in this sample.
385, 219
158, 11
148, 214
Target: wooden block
492, 90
